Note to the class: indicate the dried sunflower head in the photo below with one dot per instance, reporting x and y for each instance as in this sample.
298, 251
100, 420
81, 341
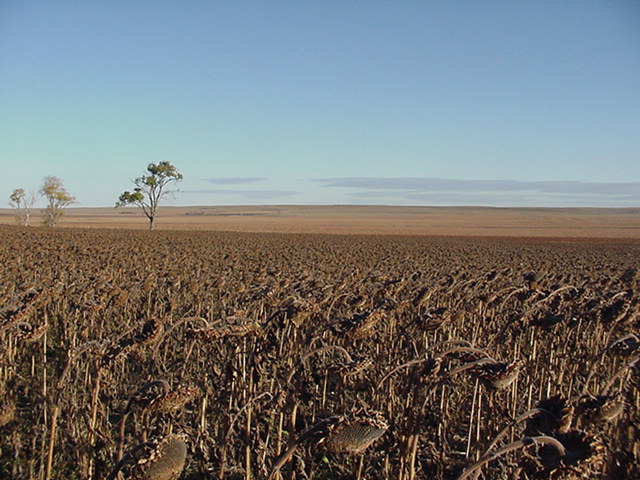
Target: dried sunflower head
600, 408
499, 375
162, 460
174, 400
165, 462
584, 458
556, 416
355, 432
625, 346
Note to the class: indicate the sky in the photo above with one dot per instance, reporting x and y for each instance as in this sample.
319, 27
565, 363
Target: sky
498, 103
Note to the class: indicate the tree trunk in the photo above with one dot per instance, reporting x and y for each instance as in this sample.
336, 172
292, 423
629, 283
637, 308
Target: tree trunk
151, 219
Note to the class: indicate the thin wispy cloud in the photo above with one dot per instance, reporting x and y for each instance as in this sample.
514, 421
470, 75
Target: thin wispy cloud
436, 191
234, 180
227, 192
248, 194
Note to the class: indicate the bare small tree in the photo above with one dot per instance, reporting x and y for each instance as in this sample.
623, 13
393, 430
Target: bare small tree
22, 203
58, 197
151, 188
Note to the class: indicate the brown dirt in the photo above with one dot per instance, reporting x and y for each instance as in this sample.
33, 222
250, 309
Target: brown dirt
577, 223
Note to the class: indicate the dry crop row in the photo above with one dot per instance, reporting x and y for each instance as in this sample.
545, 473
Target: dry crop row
252, 356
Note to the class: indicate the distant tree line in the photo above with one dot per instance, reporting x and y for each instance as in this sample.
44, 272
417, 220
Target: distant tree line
55, 194
149, 190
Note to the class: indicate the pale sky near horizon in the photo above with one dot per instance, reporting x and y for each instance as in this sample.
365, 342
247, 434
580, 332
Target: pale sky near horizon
500, 103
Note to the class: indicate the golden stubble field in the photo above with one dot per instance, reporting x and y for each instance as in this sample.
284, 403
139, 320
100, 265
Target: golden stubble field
241, 355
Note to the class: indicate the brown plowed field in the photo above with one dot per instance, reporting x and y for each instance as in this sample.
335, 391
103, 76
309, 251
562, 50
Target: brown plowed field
385, 220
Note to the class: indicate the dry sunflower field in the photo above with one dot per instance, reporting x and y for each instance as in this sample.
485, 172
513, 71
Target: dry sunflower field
192, 355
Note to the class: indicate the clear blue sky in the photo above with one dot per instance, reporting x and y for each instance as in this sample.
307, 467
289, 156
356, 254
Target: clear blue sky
382, 102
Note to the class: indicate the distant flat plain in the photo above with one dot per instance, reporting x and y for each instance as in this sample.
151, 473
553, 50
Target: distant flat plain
578, 223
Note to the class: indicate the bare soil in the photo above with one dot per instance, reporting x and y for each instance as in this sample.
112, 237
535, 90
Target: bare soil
578, 223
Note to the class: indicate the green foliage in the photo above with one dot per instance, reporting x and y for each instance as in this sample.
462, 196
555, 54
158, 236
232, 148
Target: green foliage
58, 199
17, 197
128, 198
151, 188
